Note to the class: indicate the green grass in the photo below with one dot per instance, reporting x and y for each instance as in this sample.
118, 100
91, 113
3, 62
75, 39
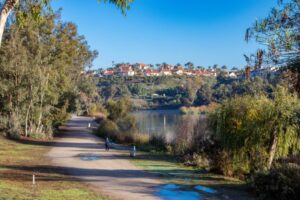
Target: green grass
171, 171
18, 161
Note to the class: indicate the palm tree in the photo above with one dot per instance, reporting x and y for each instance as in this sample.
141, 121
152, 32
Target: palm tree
224, 67
189, 65
234, 68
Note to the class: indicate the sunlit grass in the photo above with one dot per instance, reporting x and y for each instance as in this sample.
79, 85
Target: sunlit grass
16, 182
170, 171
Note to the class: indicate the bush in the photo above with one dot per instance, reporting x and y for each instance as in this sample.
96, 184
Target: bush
198, 110
282, 183
197, 160
14, 127
97, 110
122, 132
141, 139
254, 131
158, 141
108, 128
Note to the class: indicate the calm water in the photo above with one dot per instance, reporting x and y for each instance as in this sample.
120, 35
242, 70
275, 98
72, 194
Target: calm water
160, 122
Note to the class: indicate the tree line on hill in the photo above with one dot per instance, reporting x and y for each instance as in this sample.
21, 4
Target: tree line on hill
177, 91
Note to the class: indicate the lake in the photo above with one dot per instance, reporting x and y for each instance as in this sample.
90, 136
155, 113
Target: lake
160, 122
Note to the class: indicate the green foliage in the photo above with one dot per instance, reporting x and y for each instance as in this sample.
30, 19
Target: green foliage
122, 4
120, 126
40, 80
197, 160
279, 31
223, 89
109, 129
118, 109
246, 127
281, 183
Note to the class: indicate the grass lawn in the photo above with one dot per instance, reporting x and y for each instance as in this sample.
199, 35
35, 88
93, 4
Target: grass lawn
173, 172
19, 161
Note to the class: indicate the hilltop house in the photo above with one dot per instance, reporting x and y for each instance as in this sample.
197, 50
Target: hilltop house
268, 72
108, 72
231, 74
189, 73
165, 72
125, 70
141, 67
177, 71
150, 72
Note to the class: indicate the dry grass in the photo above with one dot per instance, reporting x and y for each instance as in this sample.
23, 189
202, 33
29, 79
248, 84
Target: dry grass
19, 161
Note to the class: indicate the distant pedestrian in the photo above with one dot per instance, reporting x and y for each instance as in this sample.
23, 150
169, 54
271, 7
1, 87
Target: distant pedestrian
107, 144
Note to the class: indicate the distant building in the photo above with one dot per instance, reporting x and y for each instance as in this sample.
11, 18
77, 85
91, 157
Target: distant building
151, 72
141, 66
268, 72
209, 73
231, 74
189, 72
165, 72
177, 71
108, 72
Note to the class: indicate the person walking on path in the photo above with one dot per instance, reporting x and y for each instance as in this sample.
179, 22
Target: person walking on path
107, 144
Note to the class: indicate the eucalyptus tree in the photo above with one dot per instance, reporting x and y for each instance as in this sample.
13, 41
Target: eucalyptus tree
279, 32
9, 5
41, 64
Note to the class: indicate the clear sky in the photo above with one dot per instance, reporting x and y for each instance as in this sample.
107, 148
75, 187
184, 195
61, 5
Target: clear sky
205, 32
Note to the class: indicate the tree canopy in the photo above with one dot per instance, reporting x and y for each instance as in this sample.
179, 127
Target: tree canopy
41, 74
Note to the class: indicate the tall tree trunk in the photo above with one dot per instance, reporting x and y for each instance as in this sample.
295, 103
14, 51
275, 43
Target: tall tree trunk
43, 88
27, 117
273, 147
6, 10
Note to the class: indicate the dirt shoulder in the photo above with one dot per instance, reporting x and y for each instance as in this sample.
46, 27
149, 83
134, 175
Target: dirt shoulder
81, 154
19, 160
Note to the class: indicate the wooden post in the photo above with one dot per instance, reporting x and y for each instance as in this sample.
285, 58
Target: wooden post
33, 179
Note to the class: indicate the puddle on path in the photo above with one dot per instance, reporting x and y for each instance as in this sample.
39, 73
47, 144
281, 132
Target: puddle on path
206, 189
88, 157
174, 192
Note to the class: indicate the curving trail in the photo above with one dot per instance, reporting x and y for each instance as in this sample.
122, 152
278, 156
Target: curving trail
81, 154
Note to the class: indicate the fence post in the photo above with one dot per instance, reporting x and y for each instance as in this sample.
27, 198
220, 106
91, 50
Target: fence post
33, 179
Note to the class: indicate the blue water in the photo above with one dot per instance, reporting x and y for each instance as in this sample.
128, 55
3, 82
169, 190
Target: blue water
176, 192
89, 157
161, 122
205, 189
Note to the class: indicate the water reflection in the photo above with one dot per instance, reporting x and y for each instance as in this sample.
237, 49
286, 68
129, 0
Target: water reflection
88, 157
160, 122
181, 192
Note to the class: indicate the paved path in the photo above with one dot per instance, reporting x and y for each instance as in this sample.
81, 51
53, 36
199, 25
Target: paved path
82, 155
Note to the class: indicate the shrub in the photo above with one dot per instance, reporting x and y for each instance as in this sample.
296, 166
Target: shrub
255, 130
197, 160
108, 128
141, 139
14, 127
183, 142
282, 183
158, 141
97, 110
118, 109
122, 132
198, 110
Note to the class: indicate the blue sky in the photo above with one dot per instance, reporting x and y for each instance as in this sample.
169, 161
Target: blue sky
205, 32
